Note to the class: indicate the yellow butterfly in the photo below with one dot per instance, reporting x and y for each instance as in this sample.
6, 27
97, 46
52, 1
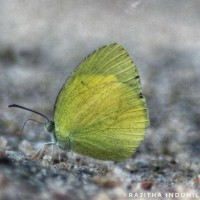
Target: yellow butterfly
100, 111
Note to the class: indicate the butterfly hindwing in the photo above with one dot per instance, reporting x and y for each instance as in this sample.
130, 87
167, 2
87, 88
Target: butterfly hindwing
100, 109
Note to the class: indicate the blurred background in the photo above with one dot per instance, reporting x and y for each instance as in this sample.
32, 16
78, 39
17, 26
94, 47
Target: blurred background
41, 42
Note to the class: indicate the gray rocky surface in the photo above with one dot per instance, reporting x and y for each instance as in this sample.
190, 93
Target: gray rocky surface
40, 44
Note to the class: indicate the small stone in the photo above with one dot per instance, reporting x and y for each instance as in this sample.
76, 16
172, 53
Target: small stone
146, 185
3, 142
108, 182
3, 180
102, 196
196, 180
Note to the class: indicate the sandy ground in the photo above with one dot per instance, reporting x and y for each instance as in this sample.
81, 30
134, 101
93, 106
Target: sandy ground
40, 44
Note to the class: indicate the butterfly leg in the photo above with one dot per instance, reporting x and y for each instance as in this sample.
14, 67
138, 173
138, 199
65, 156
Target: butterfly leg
42, 149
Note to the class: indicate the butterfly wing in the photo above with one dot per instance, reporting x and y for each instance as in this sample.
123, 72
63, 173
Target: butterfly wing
100, 111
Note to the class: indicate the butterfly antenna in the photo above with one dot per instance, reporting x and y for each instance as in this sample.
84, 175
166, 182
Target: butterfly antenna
22, 107
24, 126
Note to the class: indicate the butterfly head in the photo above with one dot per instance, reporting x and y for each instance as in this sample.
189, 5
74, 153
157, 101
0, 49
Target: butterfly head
49, 126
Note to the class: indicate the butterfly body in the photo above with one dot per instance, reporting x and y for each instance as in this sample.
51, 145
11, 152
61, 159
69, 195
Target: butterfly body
100, 111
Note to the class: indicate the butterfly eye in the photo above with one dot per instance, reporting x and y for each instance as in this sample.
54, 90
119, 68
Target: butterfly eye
49, 126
